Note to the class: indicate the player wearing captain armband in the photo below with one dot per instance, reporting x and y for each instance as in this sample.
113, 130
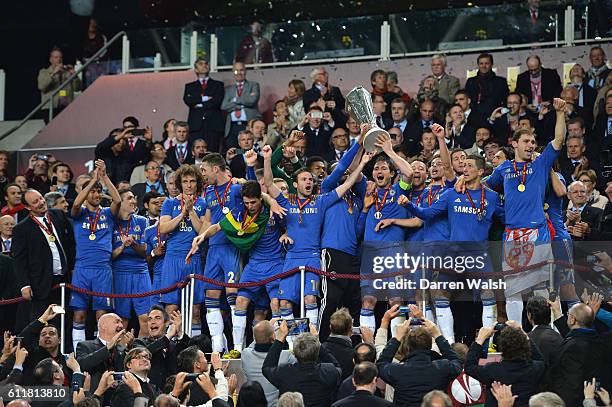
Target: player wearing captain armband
130, 270
304, 221
181, 219
527, 238
93, 232
383, 222
255, 231
470, 216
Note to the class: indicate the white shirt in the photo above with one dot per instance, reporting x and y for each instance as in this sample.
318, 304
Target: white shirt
5, 243
242, 117
53, 246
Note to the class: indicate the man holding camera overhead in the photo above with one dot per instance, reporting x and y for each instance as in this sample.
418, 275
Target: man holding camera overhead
50, 78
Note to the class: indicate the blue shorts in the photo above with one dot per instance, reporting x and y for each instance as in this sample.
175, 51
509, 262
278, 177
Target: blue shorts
98, 279
256, 272
289, 287
562, 250
131, 283
175, 269
222, 264
157, 280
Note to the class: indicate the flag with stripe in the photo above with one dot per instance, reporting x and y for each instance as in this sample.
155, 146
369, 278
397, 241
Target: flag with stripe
243, 229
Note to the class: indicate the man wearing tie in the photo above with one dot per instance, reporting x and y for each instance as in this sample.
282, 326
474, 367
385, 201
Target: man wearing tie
43, 245
7, 223
240, 102
137, 150
153, 183
180, 153
424, 121
204, 97
339, 145
586, 94
602, 132
398, 113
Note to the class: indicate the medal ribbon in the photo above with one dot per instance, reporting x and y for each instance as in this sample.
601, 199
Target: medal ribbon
247, 222
418, 201
431, 198
524, 171
301, 206
93, 223
159, 241
47, 230
227, 187
127, 231
383, 201
482, 200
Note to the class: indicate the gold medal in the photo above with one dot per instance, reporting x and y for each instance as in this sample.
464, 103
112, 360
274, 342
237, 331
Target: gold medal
225, 210
92, 237
521, 188
240, 232
377, 215
51, 238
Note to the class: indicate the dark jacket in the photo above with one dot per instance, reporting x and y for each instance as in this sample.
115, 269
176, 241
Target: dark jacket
342, 349
316, 381
33, 258
208, 117
419, 373
238, 166
501, 130
164, 352
172, 159
95, 358
525, 377
361, 398
30, 336
118, 167
140, 190
551, 85
317, 140
548, 342
123, 396
313, 94
583, 355
487, 92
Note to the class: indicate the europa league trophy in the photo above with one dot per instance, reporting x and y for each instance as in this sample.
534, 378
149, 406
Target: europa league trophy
360, 108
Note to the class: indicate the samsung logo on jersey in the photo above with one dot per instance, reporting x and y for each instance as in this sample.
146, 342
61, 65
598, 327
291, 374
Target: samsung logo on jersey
196, 207
467, 209
511, 174
304, 211
99, 226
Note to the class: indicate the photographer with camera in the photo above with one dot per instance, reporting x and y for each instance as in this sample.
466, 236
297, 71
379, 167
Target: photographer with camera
50, 78
522, 365
420, 370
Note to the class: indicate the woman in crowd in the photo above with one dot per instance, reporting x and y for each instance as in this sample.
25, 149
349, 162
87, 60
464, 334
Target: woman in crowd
589, 179
61, 180
294, 102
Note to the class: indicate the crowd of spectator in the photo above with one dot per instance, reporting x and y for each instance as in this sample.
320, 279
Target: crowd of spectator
226, 196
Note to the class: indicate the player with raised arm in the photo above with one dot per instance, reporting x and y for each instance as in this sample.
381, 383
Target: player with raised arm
470, 216
93, 232
526, 239
305, 218
130, 270
255, 231
380, 205
181, 219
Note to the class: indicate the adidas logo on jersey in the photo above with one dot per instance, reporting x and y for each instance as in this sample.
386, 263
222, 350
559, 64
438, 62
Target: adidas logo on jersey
458, 200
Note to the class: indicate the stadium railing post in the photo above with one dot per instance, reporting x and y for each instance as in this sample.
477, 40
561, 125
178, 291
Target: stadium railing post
63, 317
302, 289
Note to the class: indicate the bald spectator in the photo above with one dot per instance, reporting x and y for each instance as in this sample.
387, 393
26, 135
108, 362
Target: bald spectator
339, 145
253, 357
599, 71
7, 223
448, 85
329, 97
487, 90
582, 355
50, 78
537, 83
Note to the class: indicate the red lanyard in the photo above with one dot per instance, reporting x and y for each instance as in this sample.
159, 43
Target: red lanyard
159, 241
418, 199
301, 206
247, 222
47, 230
93, 223
219, 200
383, 201
523, 174
431, 198
480, 211
127, 228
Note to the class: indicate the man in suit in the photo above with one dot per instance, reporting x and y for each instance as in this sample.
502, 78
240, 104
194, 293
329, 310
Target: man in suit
487, 90
238, 161
601, 137
317, 127
339, 343
581, 218
365, 375
14, 206
199, 149
586, 94
8, 289
165, 342
51, 77
537, 83
582, 354
153, 183
448, 85
474, 118
7, 223
543, 335
137, 149
111, 151
204, 97
483, 134
321, 89
138, 363
339, 145
599, 71
180, 153
43, 245
575, 160
459, 133
505, 124
240, 103
398, 115
534, 23
107, 351
425, 120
